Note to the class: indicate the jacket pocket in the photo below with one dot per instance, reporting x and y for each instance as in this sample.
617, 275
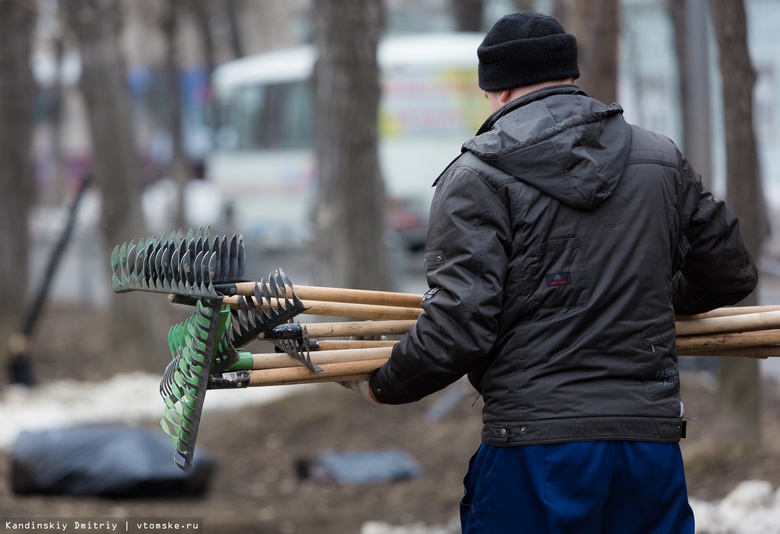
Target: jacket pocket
662, 375
557, 274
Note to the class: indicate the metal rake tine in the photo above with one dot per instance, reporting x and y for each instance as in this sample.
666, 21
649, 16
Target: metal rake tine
198, 275
145, 279
236, 269
285, 282
138, 267
254, 317
142, 274
212, 267
153, 277
203, 232
298, 349
186, 271
123, 261
129, 265
213, 254
179, 239
165, 271
196, 247
224, 259
118, 276
287, 288
243, 314
241, 260
163, 243
166, 383
176, 265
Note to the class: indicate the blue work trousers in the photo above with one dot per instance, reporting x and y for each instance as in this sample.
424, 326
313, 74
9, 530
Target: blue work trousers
606, 487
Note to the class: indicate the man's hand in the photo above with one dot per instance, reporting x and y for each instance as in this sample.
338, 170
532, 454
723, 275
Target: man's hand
361, 388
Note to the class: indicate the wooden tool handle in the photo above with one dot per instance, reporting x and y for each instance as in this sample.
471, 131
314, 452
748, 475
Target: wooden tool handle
729, 311
340, 344
729, 323
727, 341
359, 370
358, 328
280, 360
757, 351
362, 311
337, 294
346, 309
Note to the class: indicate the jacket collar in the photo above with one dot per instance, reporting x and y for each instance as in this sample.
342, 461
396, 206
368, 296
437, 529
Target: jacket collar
539, 94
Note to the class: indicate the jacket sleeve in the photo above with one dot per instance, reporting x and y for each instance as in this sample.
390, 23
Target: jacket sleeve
465, 262
716, 269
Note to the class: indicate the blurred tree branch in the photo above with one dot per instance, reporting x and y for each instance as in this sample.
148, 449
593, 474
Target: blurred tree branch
17, 95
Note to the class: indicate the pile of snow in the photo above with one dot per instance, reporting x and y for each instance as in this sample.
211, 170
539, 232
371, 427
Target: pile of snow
127, 398
751, 507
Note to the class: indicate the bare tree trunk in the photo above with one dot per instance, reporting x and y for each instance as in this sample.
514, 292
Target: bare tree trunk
236, 41
178, 169
202, 15
738, 378
596, 24
689, 19
349, 214
17, 93
137, 333
468, 15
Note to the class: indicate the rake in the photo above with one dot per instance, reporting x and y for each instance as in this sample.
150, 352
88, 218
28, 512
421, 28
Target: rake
182, 264
206, 271
207, 349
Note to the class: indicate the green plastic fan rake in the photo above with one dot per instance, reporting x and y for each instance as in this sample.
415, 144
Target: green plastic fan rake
185, 381
205, 344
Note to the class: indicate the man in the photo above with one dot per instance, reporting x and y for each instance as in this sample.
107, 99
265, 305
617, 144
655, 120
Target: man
561, 244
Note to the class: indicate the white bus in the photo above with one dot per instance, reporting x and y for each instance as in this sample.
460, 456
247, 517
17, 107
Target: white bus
263, 165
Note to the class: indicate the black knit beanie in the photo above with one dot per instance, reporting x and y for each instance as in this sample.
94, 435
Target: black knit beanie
523, 49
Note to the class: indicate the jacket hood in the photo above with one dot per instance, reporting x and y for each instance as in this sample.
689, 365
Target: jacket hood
560, 141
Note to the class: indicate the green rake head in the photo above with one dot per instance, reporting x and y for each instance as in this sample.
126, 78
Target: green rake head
185, 382
205, 344
182, 264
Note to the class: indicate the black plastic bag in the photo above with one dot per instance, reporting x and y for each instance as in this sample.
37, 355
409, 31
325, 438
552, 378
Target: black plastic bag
359, 467
105, 461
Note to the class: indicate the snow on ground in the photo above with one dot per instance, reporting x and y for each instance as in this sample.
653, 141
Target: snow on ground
752, 507
127, 398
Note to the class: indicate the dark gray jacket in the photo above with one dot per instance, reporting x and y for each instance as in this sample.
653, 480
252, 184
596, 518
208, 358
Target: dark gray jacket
561, 244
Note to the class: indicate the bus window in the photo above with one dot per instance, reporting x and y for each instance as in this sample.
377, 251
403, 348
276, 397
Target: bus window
266, 117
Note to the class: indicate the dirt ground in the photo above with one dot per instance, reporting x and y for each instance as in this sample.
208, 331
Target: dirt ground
255, 487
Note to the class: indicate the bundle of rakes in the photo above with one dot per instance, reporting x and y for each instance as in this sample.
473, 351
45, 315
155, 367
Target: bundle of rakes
207, 272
